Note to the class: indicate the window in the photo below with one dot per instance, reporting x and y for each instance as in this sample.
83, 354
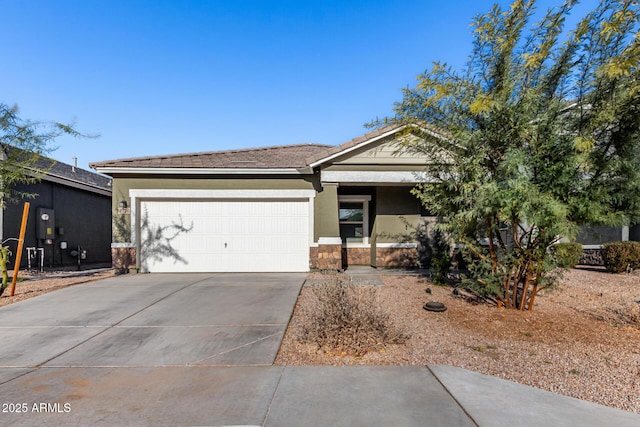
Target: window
354, 219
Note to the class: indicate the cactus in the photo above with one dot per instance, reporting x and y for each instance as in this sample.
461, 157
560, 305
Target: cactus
4, 259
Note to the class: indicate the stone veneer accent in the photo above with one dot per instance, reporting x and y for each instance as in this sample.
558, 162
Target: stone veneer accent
591, 257
397, 257
356, 256
326, 257
123, 258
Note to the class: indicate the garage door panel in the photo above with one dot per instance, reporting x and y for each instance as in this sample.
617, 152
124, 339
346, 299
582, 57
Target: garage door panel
229, 235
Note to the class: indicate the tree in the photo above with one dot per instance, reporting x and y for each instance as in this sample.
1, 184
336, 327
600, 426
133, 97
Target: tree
23, 143
542, 137
22, 146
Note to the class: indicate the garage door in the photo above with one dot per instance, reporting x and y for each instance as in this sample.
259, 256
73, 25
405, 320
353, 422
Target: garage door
237, 235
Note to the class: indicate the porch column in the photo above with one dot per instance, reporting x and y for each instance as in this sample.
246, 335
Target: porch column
326, 253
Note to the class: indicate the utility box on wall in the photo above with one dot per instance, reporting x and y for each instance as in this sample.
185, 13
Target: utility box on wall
46, 224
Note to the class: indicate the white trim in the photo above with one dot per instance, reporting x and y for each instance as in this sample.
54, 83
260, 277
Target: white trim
396, 245
356, 245
311, 216
365, 200
122, 245
591, 246
329, 241
409, 177
625, 233
220, 194
203, 171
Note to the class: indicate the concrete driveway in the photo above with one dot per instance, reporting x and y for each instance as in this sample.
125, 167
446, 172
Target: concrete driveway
152, 320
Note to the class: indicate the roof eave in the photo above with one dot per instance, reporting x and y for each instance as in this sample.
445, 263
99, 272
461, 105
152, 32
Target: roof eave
109, 170
59, 179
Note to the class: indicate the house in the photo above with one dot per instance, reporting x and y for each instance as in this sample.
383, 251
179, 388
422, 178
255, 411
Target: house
71, 209
283, 208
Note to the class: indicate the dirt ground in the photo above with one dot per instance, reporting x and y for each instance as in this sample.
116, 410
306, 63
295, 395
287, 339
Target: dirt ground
582, 339
31, 284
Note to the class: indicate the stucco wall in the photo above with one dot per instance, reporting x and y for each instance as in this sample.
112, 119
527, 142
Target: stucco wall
397, 215
122, 185
326, 213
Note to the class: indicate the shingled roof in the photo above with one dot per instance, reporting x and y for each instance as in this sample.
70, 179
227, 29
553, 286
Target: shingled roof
299, 156
275, 157
64, 173
48, 169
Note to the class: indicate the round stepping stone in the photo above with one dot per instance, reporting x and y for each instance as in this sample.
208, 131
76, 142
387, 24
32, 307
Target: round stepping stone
434, 306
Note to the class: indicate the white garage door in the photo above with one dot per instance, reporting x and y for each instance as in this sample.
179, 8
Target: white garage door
237, 235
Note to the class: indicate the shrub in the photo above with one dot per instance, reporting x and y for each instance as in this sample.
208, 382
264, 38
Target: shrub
345, 318
621, 256
435, 252
567, 254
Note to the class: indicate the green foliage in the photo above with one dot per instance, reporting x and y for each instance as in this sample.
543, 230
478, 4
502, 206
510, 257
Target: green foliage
567, 254
4, 260
621, 256
23, 144
539, 135
440, 251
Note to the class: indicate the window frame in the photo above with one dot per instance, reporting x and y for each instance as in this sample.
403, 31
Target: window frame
365, 200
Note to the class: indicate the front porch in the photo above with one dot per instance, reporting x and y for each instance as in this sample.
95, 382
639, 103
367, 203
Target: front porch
376, 226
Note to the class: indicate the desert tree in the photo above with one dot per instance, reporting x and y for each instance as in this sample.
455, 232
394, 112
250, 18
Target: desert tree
23, 146
541, 138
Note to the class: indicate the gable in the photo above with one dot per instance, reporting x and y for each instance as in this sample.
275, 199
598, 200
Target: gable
382, 148
384, 152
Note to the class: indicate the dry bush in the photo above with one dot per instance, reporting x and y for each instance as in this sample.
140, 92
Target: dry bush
626, 313
347, 319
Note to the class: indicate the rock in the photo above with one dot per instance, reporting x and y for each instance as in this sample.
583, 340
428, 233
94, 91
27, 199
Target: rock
435, 306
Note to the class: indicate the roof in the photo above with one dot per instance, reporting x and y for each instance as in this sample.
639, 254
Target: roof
275, 157
73, 176
299, 158
52, 170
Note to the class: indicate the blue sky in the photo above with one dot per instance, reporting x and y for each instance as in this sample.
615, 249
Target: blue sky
163, 77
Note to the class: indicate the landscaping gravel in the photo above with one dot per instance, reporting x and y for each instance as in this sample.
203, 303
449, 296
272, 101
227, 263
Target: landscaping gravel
582, 338
31, 284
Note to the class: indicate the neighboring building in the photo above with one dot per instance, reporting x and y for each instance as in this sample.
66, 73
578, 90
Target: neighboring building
592, 238
78, 208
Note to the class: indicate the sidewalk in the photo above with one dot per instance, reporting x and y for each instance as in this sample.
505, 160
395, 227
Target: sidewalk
290, 396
